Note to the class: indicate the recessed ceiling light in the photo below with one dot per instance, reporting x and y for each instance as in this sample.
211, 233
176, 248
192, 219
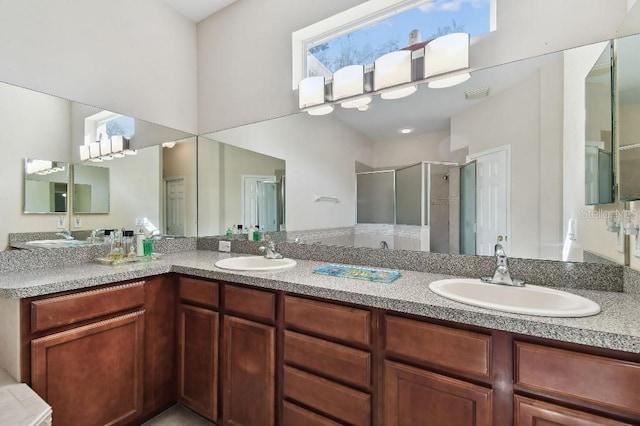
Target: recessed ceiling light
406, 130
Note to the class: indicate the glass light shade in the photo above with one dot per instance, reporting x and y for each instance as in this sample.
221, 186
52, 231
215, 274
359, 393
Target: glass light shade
107, 157
84, 153
105, 147
449, 81
355, 103
118, 155
97, 160
392, 69
446, 54
117, 143
322, 110
94, 149
311, 92
130, 152
399, 93
168, 145
348, 81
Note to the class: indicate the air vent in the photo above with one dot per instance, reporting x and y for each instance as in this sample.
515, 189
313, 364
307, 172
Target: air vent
478, 93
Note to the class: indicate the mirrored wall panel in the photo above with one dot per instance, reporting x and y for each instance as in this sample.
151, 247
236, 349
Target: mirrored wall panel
90, 189
599, 130
45, 186
628, 102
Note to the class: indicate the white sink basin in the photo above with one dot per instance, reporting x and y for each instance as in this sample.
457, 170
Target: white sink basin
528, 300
255, 263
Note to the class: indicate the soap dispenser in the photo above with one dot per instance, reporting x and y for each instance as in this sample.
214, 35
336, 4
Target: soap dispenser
139, 245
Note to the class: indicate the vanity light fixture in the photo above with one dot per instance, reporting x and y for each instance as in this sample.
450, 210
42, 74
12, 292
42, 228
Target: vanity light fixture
347, 82
394, 75
169, 145
311, 92
106, 149
446, 54
391, 70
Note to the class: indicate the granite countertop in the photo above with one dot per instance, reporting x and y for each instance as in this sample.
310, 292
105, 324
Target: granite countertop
616, 327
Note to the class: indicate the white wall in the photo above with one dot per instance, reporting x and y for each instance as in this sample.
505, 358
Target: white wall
20, 139
244, 58
133, 57
320, 155
413, 148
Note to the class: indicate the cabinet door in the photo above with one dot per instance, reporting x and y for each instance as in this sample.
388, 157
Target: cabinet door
418, 397
159, 343
92, 375
529, 412
198, 359
249, 379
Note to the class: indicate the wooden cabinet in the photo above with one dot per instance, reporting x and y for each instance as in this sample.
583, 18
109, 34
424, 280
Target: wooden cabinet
529, 412
92, 374
608, 385
159, 344
197, 334
84, 353
412, 395
328, 363
249, 373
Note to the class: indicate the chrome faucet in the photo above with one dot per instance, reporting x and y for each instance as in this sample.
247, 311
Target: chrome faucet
270, 251
66, 234
501, 275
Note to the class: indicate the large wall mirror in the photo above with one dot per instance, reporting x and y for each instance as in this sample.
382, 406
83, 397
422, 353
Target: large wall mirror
45, 186
238, 186
599, 158
628, 103
159, 183
527, 117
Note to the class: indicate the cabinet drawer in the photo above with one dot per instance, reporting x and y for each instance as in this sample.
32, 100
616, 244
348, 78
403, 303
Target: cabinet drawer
328, 359
292, 415
529, 412
326, 319
593, 379
254, 303
447, 347
73, 308
198, 291
338, 401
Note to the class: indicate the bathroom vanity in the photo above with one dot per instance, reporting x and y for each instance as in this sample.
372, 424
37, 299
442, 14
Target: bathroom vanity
121, 344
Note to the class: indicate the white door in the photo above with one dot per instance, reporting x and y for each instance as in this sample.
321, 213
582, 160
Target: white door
175, 207
492, 207
250, 199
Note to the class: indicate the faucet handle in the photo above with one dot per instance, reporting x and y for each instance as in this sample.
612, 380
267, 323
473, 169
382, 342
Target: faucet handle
498, 250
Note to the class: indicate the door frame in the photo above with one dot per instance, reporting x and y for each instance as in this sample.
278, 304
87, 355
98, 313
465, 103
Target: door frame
507, 148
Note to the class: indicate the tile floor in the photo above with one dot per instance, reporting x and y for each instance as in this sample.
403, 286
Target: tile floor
177, 416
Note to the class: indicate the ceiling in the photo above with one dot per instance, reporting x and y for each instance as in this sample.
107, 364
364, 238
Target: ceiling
197, 10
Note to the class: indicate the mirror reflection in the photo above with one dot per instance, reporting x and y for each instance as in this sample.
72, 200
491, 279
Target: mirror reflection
45, 186
90, 189
599, 130
628, 103
510, 131
239, 190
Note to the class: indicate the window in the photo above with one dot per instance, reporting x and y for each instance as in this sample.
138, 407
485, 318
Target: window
362, 34
110, 124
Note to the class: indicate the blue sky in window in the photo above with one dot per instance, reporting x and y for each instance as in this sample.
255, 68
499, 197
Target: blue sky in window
431, 19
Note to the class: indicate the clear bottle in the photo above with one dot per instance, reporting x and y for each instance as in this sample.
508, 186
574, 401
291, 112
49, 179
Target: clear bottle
128, 244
